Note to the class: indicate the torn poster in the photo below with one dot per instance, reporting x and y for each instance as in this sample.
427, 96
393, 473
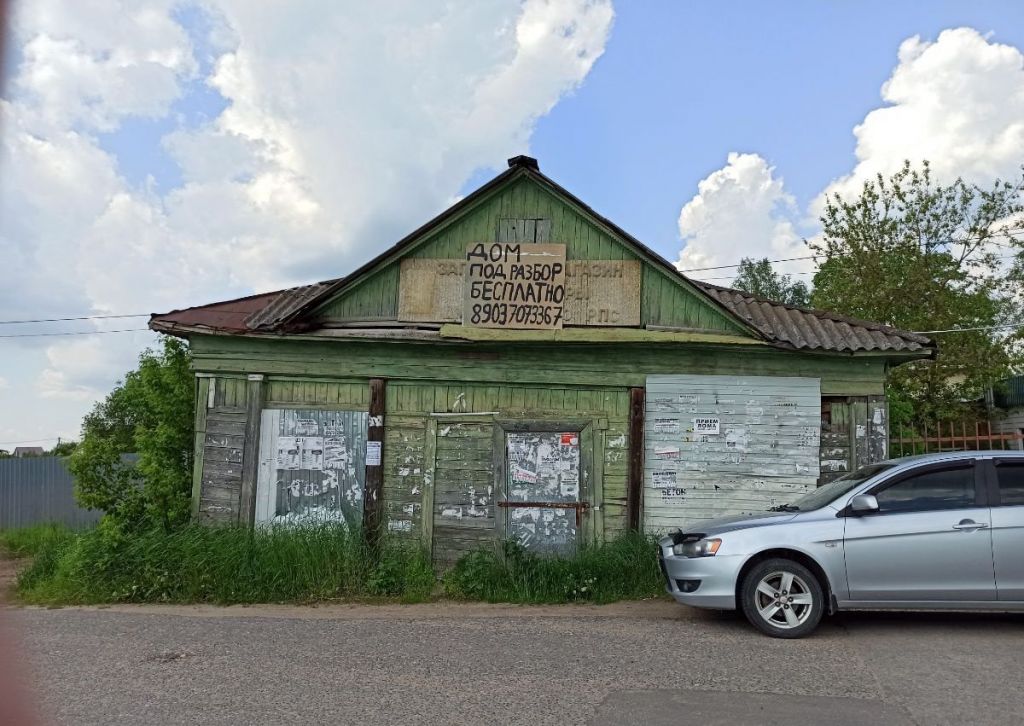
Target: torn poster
663, 478
312, 448
289, 455
666, 452
373, 451
666, 425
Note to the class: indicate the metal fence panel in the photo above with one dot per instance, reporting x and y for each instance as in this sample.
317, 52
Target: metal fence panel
36, 490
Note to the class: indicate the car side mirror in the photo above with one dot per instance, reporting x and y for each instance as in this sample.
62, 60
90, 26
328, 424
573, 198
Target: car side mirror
864, 504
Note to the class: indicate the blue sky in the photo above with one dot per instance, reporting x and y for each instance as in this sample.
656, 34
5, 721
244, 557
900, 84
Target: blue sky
681, 84
156, 154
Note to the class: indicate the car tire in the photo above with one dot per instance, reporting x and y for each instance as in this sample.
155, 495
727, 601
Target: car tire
782, 598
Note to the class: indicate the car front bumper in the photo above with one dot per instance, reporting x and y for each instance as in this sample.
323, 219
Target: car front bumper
702, 582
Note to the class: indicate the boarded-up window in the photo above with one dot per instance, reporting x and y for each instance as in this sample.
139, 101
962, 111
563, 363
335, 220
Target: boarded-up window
543, 470
721, 445
312, 466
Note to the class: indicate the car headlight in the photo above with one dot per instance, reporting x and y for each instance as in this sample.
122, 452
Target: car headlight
697, 548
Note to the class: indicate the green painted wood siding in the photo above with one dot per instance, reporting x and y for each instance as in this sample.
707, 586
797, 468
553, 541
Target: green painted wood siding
290, 392
664, 300
583, 365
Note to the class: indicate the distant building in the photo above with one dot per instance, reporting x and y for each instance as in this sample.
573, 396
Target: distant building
21, 452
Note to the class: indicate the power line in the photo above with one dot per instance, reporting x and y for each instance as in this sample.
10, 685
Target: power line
82, 332
80, 317
30, 441
969, 330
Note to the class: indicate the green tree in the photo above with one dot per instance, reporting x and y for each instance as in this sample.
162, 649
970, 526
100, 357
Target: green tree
758, 278
149, 413
63, 448
921, 256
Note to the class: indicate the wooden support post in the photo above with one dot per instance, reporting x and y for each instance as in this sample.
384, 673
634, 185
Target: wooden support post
429, 469
255, 392
635, 474
199, 439
373, 497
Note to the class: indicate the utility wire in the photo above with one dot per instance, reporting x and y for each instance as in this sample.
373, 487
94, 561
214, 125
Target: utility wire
30, 441
967, 330
81, 317
81, 332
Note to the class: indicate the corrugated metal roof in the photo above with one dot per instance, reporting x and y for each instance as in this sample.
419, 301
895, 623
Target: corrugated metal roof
222, 317
286, 303
807, 329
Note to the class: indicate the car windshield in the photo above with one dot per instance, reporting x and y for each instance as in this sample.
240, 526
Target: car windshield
833, 490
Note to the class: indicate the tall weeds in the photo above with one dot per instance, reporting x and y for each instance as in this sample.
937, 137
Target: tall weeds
225, 565
625, 568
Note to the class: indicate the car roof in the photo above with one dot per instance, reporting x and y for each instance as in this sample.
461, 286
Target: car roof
954, 455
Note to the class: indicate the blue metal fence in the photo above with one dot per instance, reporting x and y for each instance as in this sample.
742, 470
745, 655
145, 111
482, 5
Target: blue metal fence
40, 489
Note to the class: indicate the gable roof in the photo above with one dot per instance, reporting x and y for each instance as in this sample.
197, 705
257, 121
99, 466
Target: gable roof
777, 324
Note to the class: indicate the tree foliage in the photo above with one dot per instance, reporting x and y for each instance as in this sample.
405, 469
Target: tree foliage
149, 413
758, 278
921, 256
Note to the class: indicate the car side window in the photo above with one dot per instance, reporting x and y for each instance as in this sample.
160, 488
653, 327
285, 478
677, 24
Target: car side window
1011, 483
951, 488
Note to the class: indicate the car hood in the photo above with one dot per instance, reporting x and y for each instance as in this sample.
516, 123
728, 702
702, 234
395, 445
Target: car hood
739, 521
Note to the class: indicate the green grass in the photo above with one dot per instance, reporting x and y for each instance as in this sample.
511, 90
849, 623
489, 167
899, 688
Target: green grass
227, 565
29, 541
625, 568
224, 565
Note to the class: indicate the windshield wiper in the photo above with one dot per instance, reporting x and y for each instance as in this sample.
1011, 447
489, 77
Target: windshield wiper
784, 508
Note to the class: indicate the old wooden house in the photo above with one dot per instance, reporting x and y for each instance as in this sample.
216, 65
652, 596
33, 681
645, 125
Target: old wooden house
520, 367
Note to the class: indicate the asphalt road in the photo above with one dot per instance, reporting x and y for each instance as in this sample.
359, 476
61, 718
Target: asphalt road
650, 663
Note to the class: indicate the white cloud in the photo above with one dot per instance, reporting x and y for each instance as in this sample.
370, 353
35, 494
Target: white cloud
741, 210
957, 102
347, 124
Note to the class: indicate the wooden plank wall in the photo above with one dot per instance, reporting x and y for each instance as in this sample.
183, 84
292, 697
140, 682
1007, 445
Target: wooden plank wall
464, 509
516, 212
625, 365
220, 442
462, 439
854, 432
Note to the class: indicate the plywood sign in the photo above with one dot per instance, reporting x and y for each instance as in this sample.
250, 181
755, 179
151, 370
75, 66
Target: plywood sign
514, 286
597, 292
430, 291
603, 292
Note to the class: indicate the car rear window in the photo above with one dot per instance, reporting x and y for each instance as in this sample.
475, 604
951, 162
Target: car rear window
1011, 483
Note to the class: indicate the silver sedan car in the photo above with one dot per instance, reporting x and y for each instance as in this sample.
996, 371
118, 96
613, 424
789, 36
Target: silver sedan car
940, 531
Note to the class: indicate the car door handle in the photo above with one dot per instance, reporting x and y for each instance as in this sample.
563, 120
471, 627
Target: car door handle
969, 524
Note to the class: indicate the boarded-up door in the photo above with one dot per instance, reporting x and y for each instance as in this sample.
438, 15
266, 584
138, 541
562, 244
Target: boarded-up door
312, 466
720, 445
464, 506
542, 499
